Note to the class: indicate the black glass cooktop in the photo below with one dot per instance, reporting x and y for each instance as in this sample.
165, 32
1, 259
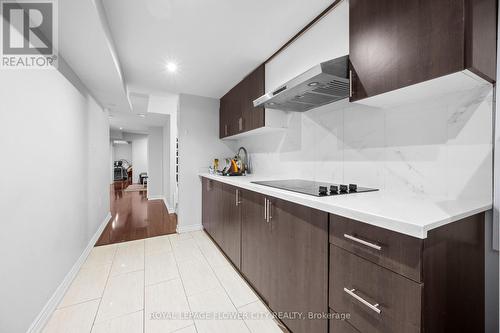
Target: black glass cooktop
318, 189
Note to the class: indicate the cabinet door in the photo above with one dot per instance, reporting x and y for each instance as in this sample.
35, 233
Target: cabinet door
216, 221
231, 219
207, 204
223, 122
256, 253
299, 247
394, 43
253, 88
230, 110
233, 110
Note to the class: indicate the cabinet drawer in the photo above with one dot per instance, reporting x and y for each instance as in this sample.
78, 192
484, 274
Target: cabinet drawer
377, 299
397, 252
340, 325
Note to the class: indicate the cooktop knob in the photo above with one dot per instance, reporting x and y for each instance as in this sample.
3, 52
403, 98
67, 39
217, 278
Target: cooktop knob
323, 190
343, 188
334, 189
353, 187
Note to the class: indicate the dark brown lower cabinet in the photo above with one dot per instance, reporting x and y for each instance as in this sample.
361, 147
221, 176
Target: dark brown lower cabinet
256, 244
354, 280
388, 283
305, 264
340, 325
231, 223
285, 258
300, 264
211, 196
221, 217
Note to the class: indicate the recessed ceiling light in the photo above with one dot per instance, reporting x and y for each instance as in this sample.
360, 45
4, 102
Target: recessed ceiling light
121, 128
171, 67
142, 115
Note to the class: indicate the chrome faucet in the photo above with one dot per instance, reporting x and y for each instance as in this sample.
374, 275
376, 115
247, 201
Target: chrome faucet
244, 160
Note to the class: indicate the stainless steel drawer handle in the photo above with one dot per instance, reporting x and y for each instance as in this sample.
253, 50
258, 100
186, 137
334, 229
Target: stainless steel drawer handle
360, 241
374, 307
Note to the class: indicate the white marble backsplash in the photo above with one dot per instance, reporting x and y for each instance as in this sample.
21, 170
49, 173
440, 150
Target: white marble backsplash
439, 147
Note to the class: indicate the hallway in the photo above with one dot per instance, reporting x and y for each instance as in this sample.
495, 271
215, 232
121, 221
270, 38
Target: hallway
135, 217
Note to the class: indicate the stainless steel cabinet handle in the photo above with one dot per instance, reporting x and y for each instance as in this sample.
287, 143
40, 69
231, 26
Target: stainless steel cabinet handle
365, 243
374, 307
237, 197
265, 209
269, 210
350, 83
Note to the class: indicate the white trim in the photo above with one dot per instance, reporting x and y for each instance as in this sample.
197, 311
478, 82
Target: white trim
189, 228
44, 315
155, 197
169, 208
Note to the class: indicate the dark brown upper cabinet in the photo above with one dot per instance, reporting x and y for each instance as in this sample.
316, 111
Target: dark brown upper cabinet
237, 113
394, 43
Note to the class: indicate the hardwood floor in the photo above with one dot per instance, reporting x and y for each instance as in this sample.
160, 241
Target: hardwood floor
135, 217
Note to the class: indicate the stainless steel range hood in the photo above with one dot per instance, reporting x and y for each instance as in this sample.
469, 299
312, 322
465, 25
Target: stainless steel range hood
323, 84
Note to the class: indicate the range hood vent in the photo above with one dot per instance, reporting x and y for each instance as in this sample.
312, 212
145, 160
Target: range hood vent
323, 84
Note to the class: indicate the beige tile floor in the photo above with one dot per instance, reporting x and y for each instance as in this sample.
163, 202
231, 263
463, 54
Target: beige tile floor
177, 283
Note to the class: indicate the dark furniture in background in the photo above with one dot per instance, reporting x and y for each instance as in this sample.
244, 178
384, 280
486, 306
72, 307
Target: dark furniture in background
143, 178
119, 172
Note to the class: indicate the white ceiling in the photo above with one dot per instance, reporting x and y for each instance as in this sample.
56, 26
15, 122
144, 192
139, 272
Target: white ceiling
130, 122
86, 44
215, 42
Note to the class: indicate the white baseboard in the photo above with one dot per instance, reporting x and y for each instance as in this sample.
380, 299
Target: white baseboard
170, 209
155, 197
189, 228
43, 317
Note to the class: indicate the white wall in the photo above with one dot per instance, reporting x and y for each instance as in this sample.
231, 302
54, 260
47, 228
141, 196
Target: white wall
122, 152
168, 104
167, 158
137, 152
439, 147
199, 144
155, 163
54, 197
139, 156
111, 162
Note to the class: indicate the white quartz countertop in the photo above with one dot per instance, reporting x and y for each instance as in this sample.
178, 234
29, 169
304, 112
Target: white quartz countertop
406, 214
